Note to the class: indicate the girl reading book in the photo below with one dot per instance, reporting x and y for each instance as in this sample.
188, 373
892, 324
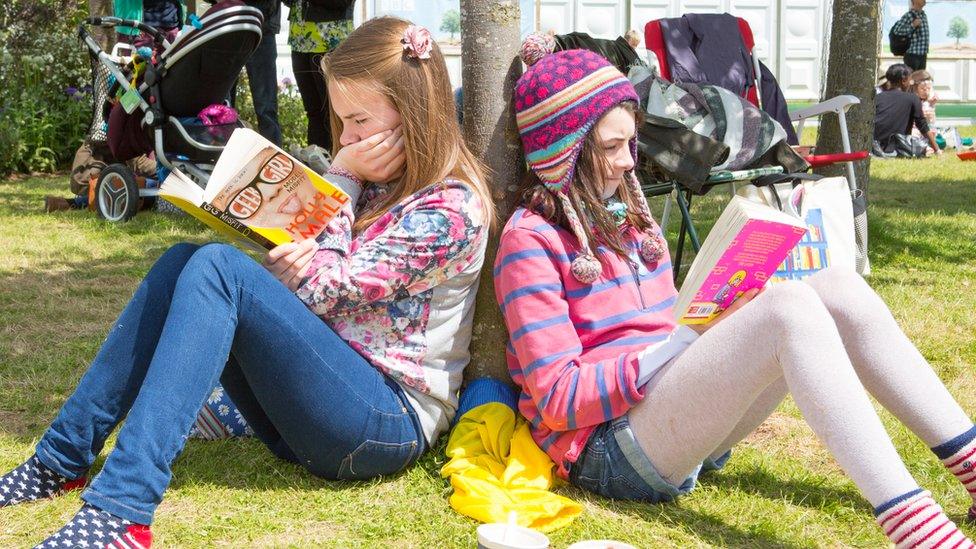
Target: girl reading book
631, 406
345, 355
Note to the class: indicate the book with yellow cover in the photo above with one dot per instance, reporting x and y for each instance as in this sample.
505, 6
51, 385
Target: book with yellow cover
258, 193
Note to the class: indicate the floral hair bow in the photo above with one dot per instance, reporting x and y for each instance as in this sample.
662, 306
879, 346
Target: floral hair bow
417, 42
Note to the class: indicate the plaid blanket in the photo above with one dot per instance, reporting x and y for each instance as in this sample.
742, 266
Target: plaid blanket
716, 113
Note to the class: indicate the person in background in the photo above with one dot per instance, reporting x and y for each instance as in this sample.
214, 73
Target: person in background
632, 38
915, 25
922, 87
897, 109
104, 36
262, 72
315, 28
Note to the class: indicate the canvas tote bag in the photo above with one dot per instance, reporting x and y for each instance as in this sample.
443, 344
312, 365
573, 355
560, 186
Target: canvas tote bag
826, 206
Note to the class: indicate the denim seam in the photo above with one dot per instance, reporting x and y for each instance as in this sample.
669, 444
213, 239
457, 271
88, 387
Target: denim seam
668, 488
90, 492
322, 359
48, 461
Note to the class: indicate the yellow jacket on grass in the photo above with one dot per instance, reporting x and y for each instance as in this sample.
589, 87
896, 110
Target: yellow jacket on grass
495, 467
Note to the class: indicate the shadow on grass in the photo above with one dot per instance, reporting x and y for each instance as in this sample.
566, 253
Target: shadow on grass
710, 528
803, 492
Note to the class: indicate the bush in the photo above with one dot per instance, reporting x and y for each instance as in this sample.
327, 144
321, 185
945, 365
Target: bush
291, 113
45, 92
43, 115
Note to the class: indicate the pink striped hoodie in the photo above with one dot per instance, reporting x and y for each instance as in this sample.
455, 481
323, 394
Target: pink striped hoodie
575, 349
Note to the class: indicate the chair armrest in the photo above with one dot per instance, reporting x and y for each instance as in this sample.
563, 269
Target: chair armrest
834, 104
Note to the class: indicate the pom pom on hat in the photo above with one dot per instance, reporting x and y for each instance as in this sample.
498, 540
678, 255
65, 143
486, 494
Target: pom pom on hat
653, 249
536, 46
586, 268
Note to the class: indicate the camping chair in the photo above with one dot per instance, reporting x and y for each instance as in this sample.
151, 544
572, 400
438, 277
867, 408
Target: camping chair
654, 42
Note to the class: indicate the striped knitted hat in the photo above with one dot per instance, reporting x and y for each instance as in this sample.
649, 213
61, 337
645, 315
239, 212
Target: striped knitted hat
557, 102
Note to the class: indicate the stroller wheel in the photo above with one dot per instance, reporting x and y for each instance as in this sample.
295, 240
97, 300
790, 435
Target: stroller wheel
116, 194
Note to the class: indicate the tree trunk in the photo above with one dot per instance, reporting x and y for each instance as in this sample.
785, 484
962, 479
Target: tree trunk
489, 68
855, 33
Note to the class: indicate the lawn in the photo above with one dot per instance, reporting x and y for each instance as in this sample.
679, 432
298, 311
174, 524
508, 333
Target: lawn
66, 276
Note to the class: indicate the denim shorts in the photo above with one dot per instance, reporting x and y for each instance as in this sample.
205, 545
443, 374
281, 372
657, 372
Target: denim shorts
613, 465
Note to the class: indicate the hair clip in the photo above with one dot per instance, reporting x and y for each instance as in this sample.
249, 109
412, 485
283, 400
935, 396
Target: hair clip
417, 42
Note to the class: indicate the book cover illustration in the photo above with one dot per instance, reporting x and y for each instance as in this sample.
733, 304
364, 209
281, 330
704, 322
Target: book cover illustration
810, 255
749, 262
258, 193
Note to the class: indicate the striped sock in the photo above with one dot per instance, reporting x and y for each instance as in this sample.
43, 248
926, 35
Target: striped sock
94, 528
959, 456
916, 520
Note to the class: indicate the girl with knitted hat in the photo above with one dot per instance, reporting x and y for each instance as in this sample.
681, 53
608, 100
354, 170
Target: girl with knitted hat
345, 354
631, 406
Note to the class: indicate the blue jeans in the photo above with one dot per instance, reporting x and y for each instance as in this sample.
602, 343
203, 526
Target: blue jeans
262, 74
308, 395
613, 465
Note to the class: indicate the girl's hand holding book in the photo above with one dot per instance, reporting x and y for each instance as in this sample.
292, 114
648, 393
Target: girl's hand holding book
379, 158
289, 262
748, 296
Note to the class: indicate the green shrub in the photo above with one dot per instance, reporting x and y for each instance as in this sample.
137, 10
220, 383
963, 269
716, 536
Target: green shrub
43, 115
291, 113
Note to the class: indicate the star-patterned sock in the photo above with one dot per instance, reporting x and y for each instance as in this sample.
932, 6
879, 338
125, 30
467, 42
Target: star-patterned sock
94, 528
959, 456
31, 481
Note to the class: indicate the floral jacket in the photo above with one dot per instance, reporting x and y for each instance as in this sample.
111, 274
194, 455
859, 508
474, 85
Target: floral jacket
402, 292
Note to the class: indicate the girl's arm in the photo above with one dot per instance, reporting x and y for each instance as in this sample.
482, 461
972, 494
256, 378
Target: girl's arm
568, 392
414, 247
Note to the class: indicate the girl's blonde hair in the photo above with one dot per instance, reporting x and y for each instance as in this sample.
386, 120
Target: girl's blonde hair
420, 90
919, 78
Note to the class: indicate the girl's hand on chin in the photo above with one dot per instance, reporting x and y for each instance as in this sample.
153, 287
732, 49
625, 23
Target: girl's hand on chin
379, 158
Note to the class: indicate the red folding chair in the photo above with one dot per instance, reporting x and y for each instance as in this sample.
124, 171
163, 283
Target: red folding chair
654, 41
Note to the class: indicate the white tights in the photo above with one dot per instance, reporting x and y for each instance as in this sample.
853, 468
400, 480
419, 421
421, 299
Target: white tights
819, 340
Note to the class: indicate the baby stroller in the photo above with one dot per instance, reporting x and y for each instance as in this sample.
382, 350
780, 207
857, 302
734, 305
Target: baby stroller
157, 112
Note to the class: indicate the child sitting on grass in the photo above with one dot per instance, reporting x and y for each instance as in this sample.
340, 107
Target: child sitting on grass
345, 355
630, 405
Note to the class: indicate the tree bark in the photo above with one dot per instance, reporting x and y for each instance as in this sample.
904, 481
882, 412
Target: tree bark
855, 33
489, 68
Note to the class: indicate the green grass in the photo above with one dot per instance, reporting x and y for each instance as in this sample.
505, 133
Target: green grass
64, 278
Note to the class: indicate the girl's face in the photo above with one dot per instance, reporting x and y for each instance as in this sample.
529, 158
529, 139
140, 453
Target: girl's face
364, 110
613, 134
924, 89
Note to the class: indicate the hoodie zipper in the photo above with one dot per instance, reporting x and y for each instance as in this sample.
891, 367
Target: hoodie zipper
633, 271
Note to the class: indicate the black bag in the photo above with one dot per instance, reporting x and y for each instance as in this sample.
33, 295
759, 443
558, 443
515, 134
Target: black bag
907, 146
898, 42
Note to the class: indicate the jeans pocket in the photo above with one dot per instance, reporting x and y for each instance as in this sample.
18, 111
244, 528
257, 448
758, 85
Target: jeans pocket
374, 458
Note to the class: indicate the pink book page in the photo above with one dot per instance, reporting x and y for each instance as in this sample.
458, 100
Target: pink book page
750, 260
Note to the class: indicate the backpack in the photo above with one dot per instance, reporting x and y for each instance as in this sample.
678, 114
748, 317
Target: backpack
898, 42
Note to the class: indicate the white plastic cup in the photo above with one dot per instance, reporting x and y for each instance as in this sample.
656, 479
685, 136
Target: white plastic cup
500, 535
600, 544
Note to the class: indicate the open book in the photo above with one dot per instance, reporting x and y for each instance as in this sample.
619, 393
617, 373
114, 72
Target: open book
258, 193
742, 251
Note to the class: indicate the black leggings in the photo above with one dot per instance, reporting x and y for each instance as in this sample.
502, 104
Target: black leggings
315, 97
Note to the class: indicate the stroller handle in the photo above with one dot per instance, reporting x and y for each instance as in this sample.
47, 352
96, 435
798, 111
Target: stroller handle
110, 22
